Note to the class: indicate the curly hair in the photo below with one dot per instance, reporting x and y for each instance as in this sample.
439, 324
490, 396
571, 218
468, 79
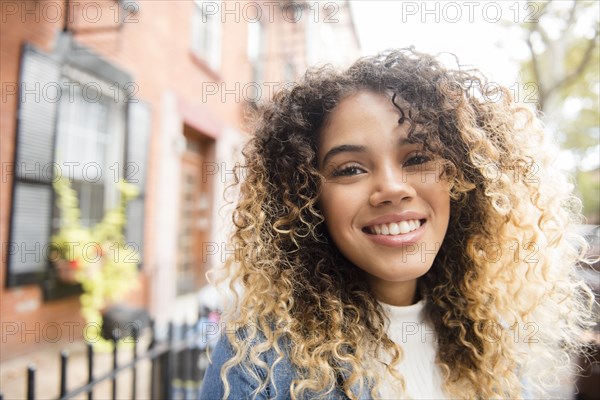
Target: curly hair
502, 294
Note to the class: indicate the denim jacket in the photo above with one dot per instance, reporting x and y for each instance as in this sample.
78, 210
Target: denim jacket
242, 385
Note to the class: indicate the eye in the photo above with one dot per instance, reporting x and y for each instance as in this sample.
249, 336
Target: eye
348, 170
417, 159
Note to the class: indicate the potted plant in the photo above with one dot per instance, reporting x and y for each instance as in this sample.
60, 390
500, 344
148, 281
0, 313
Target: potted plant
95, 257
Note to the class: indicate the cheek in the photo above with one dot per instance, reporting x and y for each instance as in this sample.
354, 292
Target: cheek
327, 201
441, 204
334, 206
437, 195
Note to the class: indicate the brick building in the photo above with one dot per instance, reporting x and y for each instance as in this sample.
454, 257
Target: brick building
154, 91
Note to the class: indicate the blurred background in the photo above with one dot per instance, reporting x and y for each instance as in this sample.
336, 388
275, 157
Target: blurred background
159, 93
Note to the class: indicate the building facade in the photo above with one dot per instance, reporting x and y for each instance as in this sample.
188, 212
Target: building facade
157, 93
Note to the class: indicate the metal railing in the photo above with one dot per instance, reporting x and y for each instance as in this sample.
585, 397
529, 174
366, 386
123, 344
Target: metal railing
177, 365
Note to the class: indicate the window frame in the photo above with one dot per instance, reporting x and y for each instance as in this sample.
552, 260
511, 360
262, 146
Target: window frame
206, 35
36, 130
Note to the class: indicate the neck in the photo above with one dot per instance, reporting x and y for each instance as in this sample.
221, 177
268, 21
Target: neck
396, 293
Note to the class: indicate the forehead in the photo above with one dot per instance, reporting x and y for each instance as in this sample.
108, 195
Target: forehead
359, 115
355, 107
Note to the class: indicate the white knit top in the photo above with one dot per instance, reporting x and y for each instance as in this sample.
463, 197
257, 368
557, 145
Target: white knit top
417, 338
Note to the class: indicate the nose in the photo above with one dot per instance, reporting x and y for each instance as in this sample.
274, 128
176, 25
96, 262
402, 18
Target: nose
391, 186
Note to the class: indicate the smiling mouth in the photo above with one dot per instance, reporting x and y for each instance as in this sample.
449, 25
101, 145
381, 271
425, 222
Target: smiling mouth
394, 228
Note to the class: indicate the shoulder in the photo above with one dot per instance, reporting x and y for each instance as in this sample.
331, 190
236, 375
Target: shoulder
246, 380
242, 378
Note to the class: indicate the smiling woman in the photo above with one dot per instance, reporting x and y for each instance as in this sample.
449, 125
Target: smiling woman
384, 200
392, 241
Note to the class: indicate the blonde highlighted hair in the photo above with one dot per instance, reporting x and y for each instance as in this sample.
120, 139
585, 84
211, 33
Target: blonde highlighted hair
502, 294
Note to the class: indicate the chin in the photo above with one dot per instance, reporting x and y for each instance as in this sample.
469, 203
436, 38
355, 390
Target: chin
405, 273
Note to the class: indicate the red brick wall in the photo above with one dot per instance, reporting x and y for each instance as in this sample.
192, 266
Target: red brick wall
21, 308
154, 47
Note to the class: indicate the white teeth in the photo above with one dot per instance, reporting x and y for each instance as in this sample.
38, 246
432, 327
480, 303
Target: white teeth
404, 227
395, 228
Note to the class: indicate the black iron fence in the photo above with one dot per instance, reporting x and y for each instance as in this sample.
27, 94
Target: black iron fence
177, 364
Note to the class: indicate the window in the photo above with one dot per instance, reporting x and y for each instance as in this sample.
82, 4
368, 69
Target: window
206, 33
256, 49
90, 140
89, 134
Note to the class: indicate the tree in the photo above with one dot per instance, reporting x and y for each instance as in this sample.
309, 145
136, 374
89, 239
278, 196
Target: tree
563, 43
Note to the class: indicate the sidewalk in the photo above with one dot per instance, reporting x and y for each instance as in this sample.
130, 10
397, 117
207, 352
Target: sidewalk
13, 373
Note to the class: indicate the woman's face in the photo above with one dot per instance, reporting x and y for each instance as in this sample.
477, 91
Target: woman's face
385, 204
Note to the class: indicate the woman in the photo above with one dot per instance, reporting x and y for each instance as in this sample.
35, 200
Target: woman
400, 232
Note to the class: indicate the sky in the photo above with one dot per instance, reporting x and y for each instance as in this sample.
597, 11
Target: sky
479, 33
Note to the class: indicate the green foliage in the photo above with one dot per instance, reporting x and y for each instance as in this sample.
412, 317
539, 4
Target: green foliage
565, 65
588, 184
581, 132
98, 257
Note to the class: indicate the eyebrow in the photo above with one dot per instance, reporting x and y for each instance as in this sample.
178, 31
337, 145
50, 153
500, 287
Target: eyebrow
353, 148
344, 148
